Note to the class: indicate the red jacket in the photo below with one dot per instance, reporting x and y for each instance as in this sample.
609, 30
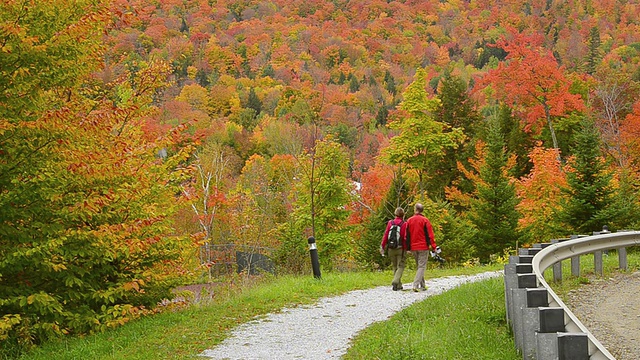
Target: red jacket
403, 227
419, 234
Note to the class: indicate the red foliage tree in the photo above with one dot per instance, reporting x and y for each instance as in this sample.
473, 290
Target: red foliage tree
532, 82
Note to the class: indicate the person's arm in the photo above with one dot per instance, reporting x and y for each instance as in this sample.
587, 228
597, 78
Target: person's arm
431, 240
408, 239
385, 237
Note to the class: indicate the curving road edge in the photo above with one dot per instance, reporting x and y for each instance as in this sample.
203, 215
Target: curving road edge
325, 329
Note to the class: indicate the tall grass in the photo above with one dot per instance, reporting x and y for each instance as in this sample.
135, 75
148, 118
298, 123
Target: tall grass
184, 333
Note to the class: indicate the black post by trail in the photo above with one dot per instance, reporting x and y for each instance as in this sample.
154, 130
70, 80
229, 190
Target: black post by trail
313, 251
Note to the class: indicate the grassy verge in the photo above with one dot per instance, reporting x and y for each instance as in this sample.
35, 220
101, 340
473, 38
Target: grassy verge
184, 333
465, 323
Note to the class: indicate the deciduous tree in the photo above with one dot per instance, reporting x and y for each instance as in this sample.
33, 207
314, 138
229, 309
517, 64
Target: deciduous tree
324, 191
540, 194
531, 81
421, 140
86, 240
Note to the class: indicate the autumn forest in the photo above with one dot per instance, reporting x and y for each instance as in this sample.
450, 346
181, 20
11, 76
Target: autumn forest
135, 132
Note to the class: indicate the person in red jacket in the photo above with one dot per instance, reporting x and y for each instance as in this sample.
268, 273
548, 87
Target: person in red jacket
396, 255
419, 239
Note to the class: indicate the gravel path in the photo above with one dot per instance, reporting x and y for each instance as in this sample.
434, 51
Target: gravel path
324, 330
609, 301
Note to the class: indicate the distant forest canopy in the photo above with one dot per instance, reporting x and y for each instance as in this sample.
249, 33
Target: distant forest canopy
259, 77
133, 133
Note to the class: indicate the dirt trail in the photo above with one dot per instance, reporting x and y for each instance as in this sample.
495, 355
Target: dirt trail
610, 309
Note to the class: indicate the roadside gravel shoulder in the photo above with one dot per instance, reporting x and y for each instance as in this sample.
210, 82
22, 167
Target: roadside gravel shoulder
610, 309
325, 329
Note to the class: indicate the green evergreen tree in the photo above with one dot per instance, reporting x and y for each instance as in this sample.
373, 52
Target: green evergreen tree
342, 78
457, 110
624, 211
589, 188
354, 84
517, 141
595, 54
202, 78
184, 28
381, 116
268, 71
253, 101
372, 81
494, 212
390, 83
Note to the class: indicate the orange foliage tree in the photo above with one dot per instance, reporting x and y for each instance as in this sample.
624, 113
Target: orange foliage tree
630, 136
540, 193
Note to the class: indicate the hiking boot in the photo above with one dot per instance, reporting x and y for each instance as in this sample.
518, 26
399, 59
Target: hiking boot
395, 287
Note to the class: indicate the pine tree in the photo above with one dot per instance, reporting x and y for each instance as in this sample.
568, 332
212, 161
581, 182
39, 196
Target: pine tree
457, 110
624, 210
589, 184
390, 83
381, 116
493, 211
517, 141
253, 101
354, 84
594, 55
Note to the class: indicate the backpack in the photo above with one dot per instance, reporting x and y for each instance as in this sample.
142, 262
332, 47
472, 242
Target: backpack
393, 240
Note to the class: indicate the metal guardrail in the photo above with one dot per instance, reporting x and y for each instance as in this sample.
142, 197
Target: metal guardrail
543, 326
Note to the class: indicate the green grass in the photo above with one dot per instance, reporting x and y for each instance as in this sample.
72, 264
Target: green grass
184, 333
465, 323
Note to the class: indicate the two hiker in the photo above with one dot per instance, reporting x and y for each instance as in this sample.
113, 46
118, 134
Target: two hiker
414, 236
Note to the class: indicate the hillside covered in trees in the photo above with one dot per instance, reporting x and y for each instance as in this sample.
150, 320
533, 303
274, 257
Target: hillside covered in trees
132, 132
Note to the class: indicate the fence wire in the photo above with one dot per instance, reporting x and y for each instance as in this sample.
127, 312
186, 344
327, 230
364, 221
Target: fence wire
223, 259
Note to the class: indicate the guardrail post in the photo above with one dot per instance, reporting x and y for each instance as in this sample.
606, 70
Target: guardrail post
597, 263
551, 323
622, 258
575, 266
511, 271
557, 267
531, 320
519, 300
551, 319
557, 271
575, 260
573, 346
597, 255
509, 283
